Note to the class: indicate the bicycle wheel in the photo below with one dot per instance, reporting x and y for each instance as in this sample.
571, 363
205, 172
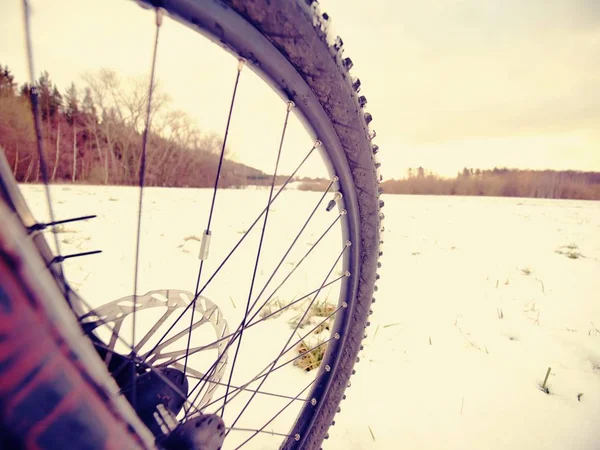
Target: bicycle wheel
286, 43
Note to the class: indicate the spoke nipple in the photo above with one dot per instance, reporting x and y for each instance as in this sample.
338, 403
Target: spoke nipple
327, 368
313, 401
348, 243
331, 204
318, 143
290, 105
297, 437
336, 179
347, 273
241, 63
344, 305
336, 336
343, 212
205, 245
159, 16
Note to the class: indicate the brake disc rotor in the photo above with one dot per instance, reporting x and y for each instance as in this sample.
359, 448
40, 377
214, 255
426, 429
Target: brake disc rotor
114, 313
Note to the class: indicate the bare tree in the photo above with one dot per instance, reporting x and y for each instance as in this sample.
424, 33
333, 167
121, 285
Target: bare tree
57, 152
74, 175
121, 106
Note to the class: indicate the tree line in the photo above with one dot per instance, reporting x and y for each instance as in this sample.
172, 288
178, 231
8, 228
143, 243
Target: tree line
92, 134
500, 182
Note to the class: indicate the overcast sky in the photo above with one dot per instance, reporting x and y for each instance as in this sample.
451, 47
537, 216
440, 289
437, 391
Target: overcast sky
450, 83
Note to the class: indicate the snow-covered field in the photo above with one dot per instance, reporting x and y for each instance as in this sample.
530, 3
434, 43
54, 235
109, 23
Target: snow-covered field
478, 297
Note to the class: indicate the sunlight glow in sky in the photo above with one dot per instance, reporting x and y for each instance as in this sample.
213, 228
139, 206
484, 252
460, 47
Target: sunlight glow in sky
477, 83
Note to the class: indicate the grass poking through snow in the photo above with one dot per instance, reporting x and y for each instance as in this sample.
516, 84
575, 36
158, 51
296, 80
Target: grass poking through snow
322, 308
59, 229
571, 251
526, 271
372, 434
311, 358
319, 309
544, 384
273, 309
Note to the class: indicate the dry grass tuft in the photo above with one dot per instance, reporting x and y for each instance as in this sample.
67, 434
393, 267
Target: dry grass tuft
311, 358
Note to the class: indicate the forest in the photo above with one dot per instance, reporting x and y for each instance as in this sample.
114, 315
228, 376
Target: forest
92, 134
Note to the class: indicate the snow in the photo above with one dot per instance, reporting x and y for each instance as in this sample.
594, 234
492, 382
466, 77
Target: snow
477, 298
441, 369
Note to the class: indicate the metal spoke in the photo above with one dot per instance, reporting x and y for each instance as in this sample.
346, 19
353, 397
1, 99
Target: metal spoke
142, 179
207, 233
296, 266
312, 330
213, 367
290, 105
182, 352
284, 351
178, 336
236, 333
37, 123
44, 172
61, 258
105, 347
120, 338
290, 249
251, 430
102, 322
235, 247
173, 299
289, 305
156, 372
250, 325
274, 417
198, 375
262, 373
295, 329
280, 285
154, 329
113, 341
43, 226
